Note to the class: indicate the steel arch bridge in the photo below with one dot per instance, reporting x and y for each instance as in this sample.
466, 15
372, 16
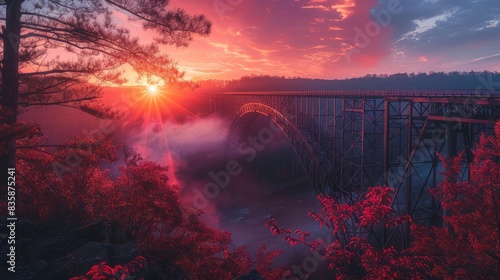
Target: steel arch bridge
347, 141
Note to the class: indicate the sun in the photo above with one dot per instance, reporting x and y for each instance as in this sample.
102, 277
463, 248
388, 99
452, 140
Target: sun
153, 90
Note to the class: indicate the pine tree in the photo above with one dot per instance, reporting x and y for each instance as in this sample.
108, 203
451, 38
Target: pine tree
94, 47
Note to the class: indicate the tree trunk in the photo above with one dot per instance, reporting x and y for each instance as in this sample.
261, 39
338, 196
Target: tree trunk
10, 85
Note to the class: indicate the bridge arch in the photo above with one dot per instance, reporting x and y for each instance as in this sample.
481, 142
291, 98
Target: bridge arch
244, 118
377, 137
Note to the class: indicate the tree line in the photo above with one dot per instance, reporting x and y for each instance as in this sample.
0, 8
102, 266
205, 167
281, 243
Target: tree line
482, 80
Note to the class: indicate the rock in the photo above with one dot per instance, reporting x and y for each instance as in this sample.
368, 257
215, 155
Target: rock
123, 253
27, 272
101, 231
55, 252
77, 262
252, 275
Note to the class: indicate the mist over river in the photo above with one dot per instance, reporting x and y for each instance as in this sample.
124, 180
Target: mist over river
273, 184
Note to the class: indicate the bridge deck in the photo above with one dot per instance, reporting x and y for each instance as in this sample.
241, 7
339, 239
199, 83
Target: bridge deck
493, 96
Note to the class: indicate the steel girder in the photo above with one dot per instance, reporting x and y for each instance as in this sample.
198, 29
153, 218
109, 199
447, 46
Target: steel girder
348, 141
299, 140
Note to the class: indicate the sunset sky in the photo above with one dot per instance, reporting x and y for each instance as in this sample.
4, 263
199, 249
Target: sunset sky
313, 38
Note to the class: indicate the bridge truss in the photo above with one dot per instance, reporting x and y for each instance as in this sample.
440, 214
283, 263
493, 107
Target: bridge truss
348, 141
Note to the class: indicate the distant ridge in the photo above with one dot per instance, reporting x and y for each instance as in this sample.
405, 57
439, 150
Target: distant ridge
402, 81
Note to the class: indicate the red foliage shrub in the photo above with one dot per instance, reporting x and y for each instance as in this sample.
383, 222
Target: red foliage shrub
67, 185
470, 246
71, 186
263, 264
350, 254
136, 268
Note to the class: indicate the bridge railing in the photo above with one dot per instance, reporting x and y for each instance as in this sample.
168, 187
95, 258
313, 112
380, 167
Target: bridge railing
469, 93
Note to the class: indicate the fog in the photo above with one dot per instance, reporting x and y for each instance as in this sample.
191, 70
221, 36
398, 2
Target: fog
271, 184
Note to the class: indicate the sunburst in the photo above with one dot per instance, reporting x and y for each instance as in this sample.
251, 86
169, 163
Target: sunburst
152, 90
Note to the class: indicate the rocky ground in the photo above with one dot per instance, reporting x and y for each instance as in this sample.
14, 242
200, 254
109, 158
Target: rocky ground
55, 252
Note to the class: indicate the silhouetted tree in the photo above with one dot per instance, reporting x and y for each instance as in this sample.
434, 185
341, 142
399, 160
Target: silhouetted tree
62, 51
